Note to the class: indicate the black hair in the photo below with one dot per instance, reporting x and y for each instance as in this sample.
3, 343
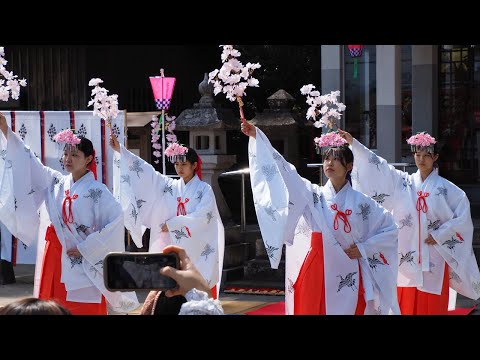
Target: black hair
86, 147
34, 306
436, 152
192, 156
344, 154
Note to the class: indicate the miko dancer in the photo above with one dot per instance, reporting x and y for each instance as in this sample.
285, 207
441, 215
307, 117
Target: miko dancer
179, 212
341, 245
82, 220
436, 230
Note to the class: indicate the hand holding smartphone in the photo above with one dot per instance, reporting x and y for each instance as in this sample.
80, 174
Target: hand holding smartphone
187, 277
127, 271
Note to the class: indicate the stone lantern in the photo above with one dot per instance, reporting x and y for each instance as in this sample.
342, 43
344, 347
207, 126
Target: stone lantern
207, 125
279, 124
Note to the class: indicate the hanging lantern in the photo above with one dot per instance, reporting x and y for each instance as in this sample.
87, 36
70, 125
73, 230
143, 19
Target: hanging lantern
355, 52
162, 93
162, 90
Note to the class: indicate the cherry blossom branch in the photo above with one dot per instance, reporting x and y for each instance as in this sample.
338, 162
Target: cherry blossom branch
326, 107
104, 106
228, 79
9, 85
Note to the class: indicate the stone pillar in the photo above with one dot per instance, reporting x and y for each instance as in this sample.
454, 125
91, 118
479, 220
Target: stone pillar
207, 125
212, 167
425, 89
332, 73
389, 113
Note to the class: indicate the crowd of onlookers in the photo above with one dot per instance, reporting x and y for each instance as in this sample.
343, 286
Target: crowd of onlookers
190, 284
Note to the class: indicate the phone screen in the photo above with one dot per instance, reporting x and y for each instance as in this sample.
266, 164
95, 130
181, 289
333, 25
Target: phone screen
130, 271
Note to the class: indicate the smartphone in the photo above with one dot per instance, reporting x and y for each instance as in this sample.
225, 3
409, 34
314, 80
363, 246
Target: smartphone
127, 271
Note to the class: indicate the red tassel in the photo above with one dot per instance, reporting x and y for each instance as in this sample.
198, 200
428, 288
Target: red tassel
181, 206
68, 218
342, 216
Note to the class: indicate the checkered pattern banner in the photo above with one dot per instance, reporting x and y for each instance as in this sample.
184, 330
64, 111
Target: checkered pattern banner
162, 104
356, 52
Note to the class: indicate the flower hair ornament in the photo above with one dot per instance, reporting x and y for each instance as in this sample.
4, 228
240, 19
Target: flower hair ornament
176, 152
331, 140
71, 142
68, 138
422, 141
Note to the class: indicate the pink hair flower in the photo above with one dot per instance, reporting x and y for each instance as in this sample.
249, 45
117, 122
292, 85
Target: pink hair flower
176, 152
421, 139
175, 149
67, 137
330, 139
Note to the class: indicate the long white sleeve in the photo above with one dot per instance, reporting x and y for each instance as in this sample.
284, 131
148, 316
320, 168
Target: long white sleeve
141, 189
24, 181
373, 176
280, 195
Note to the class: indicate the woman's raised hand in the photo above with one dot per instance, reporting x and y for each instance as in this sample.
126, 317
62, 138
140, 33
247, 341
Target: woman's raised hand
3, 124
114, 143
346, 135
248, 129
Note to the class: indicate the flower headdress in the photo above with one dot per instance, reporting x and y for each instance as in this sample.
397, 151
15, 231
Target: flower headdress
229, 78
68, 138
422, 141
330, 140
176, 152
71, 142
324, 111
12, 85
104, 106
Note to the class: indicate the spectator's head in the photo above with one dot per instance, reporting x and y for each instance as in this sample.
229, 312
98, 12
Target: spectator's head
34, 306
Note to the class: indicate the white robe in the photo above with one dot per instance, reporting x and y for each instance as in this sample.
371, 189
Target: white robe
27, 187
447, 219
149, 200
290, 207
